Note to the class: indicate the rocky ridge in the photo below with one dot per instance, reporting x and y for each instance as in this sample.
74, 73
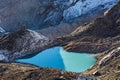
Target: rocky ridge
21, 43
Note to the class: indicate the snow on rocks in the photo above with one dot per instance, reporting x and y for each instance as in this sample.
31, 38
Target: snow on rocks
22, 43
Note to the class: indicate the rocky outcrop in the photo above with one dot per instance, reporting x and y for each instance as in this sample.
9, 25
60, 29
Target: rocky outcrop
37, 14
103, 32
21, 43
111, 55
91, 44
107, 67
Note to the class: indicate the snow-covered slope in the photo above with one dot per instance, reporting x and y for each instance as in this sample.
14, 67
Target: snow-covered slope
84, 6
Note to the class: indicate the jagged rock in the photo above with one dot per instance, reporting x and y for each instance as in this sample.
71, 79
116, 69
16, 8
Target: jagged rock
111, 55
107, 67
21, 43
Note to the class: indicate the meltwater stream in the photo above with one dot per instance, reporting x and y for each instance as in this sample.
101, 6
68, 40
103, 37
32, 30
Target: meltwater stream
58, 58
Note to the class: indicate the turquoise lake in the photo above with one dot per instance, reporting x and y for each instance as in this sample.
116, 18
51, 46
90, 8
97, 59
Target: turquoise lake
58, 58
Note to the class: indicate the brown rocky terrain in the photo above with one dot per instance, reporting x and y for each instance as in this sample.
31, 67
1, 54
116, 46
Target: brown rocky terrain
101, 31
108, 65
100, 36
17, 71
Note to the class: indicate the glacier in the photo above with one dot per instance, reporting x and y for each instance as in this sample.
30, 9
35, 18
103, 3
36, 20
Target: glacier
85, 6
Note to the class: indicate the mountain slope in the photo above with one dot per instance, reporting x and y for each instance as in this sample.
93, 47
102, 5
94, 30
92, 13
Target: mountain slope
101, 33
101, 36
38, 14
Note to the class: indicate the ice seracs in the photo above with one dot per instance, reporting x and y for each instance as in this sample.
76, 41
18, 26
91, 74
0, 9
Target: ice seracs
84, 6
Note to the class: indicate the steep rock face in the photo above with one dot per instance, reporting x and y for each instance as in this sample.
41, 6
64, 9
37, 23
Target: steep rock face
37, 14
21, 43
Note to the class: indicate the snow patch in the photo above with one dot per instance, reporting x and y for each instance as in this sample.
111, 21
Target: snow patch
37, 36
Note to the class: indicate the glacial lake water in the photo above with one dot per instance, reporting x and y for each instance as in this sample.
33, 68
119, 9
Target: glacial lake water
58, 58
